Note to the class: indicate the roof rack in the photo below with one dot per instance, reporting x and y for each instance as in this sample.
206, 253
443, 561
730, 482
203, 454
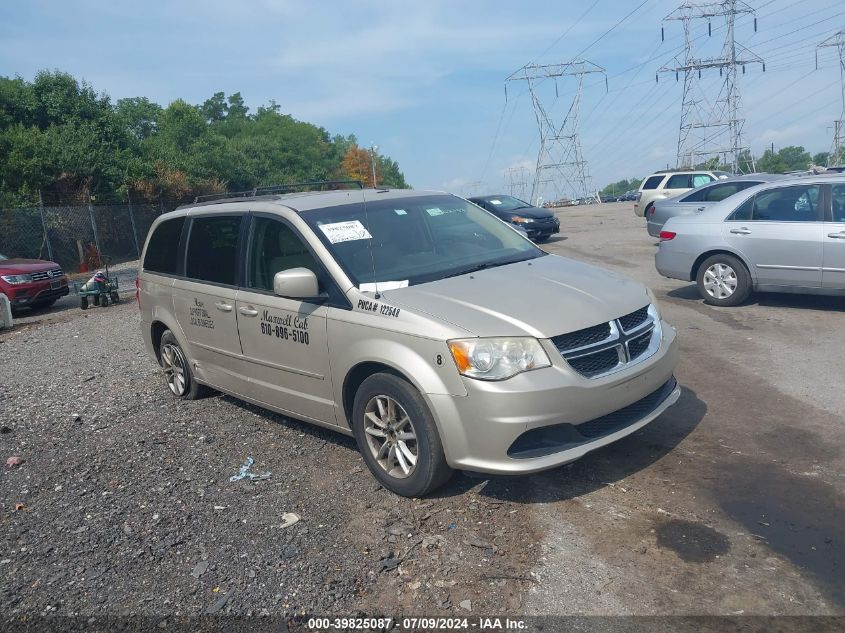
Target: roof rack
268, 190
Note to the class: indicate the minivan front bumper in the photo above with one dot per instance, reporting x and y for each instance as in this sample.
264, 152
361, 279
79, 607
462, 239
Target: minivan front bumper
548, 417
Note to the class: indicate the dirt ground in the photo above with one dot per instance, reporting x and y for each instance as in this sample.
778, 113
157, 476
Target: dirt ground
730, 503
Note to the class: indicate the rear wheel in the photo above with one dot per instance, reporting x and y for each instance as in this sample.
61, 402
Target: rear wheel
397, 436
177, 370
723, 280
115, 297
83, 303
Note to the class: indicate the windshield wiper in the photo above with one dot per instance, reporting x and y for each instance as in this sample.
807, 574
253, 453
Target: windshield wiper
473, 269
482, 266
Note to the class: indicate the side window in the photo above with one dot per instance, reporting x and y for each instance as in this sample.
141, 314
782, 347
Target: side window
743, 212
838, 199
696, 196
652, 182
701, 179
717, 193
213, 249
787, 204
275, 247
163, 249
679, 181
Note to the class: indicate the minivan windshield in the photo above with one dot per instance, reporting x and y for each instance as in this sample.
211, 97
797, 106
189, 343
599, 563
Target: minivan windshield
417, 239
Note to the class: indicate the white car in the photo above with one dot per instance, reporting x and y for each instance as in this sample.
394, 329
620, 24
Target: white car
670, 183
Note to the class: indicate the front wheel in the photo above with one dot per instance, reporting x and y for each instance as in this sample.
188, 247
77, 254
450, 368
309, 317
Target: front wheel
177, 370
397, 436
723, 280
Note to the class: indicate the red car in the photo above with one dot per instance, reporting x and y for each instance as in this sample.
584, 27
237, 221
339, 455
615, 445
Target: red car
31, 283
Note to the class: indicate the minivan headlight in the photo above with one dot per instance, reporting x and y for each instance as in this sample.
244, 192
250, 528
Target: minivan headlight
497, 358
16, 279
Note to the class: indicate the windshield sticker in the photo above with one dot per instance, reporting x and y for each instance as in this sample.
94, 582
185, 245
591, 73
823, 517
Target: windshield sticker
495, 202
383, 286
400, 212
435, 211
345, 231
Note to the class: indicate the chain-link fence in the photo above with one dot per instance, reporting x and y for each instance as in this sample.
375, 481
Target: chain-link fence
78, 237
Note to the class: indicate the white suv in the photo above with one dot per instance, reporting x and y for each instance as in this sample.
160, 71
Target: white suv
670, 183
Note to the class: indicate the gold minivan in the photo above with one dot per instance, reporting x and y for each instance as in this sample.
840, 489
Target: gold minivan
431, 331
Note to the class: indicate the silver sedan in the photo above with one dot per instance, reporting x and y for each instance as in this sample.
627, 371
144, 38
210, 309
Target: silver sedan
783, 236
700, 198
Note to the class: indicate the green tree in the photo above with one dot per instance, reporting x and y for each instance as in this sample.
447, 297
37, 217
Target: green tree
791, 158
821, 159
61, 137
621, 186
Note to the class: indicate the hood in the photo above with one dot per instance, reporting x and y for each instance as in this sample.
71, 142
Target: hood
25, 266
529, 212
542, 297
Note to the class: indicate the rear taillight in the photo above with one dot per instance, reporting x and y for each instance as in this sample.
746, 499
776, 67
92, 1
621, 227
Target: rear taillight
665, 236
138, 291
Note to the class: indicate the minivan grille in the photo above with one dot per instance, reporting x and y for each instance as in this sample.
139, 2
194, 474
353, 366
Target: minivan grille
607, 347
633, 320
587, 336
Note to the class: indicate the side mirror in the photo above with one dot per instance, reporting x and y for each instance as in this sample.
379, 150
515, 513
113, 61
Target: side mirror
296, 283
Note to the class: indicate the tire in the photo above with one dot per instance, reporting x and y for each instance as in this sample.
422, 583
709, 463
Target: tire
723, 280
115, 297
371, 410
83, 303
177, 370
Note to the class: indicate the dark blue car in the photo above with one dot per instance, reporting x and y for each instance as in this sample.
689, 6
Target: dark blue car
538, 223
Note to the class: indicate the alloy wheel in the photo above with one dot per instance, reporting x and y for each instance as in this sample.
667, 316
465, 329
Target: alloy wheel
173, 363
390, 436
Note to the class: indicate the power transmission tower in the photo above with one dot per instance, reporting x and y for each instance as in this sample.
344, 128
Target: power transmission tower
474, 188
837, 152
560, 145
516, 181
704, 125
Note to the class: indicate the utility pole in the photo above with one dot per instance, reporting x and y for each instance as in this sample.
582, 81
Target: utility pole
705, 123
373, 150
560, 145
837, 152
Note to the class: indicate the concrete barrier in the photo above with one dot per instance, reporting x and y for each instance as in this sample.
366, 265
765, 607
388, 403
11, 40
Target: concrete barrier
5, 312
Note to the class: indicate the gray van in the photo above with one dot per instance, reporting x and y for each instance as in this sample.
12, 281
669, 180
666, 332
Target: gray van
428, 329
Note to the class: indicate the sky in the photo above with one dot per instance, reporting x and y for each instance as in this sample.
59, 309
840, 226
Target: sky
426, 81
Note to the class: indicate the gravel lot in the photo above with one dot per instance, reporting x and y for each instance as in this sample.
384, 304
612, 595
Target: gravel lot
124, 504
732, 502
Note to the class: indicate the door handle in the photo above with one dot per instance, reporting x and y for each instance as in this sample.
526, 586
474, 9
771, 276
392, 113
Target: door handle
250, 312
837, 236
701, 208
223, 306
742, 231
